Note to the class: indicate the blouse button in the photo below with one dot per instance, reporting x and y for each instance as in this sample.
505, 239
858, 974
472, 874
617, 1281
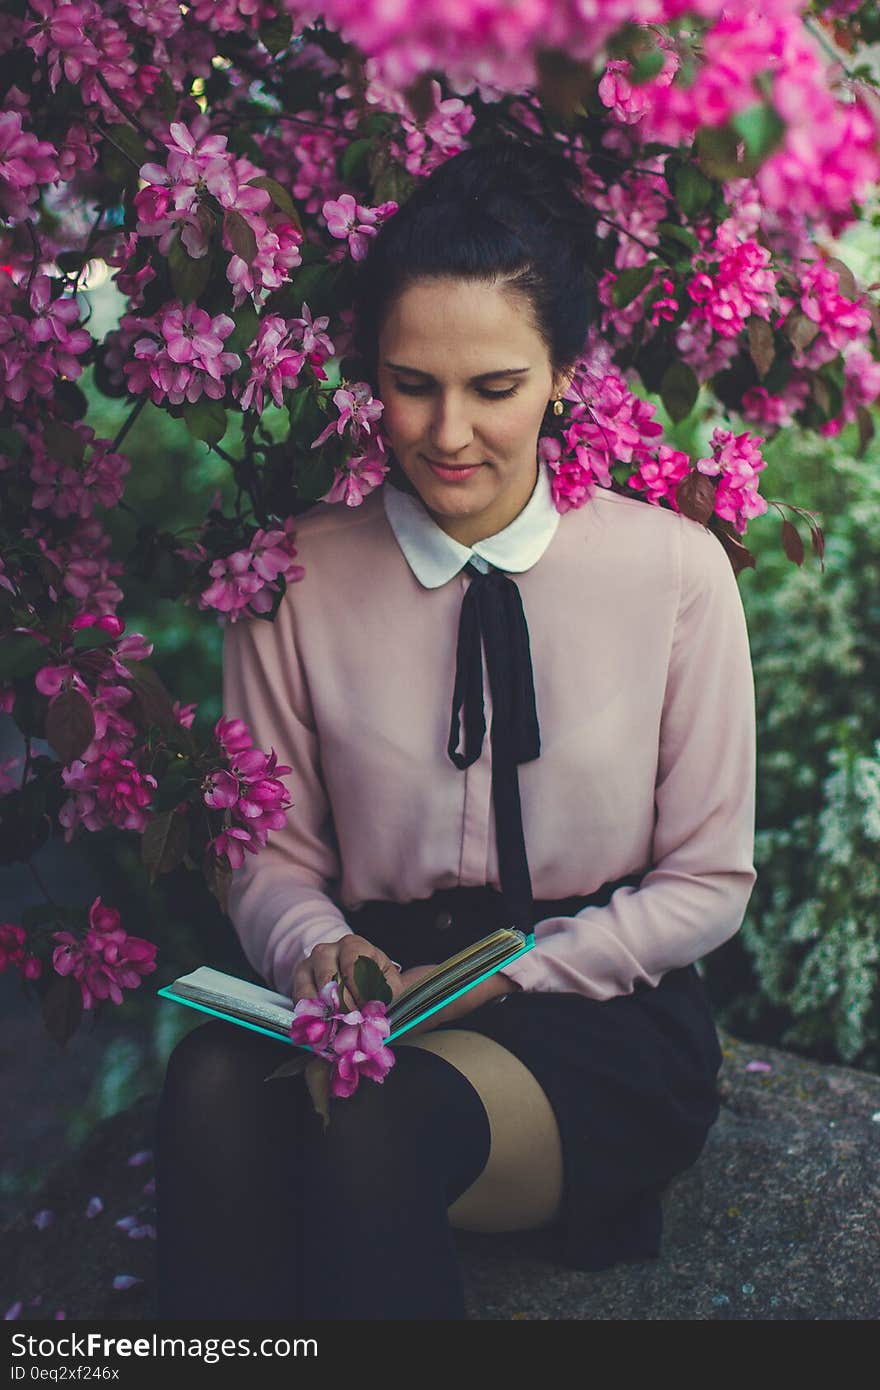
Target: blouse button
443, 921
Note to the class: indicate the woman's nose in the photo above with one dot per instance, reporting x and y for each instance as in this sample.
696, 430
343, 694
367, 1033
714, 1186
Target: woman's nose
450, 429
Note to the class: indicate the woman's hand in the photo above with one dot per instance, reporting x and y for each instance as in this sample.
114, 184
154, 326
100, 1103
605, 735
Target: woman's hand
330, 958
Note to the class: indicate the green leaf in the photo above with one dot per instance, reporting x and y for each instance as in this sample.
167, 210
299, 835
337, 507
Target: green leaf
280, 197
205, 419
692, 190
239, 235
247, 322
646, 65
679, 389
188, 276
761, 128
369, 981
314, 476
715, 147
293, 1068
275, 35
630, 283
88, 639
679, 234
22, 654
150, 703
126, 138
354, 163
174, 787
63, 442
11, 443
164, 842
166, 95
70, 725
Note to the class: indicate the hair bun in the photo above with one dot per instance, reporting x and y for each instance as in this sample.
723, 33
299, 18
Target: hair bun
510, 170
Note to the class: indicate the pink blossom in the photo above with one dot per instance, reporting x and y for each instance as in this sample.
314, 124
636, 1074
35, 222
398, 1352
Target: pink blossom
359, 475
25, 164
357, 408
109, 791
233, 735
185, 359
253, 799
741, 286
94, 1207
106, 960
247, 579
350, 221
13, 952
736, 461
274, 364
315, 1020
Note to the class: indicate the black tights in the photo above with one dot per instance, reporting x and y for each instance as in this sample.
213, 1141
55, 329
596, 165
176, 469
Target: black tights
261, 1213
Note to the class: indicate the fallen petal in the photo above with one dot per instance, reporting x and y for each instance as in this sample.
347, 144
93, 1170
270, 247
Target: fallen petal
125, 1281
43, 1219
125, 1223
14, 1312
142, 1156
59, 1315
150, 1187
95, 1205
758, 1066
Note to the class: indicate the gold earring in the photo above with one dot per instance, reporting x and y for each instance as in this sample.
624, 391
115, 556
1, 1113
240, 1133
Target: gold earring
558, 407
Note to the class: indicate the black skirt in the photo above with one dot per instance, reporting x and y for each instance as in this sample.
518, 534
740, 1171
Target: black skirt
632, 1080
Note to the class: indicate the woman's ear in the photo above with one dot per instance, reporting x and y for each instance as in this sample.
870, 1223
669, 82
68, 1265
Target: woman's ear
561, 381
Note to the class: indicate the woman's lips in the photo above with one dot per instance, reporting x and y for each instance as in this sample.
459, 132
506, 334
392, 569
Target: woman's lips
452, 475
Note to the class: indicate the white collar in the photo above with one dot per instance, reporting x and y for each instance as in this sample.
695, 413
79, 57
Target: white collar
434, 557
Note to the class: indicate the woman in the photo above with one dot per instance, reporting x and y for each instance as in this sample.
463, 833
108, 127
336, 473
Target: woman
612, 806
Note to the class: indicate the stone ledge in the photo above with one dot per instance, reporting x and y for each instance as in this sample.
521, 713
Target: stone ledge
778, 1219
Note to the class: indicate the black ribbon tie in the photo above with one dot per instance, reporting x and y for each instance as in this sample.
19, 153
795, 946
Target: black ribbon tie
492, 614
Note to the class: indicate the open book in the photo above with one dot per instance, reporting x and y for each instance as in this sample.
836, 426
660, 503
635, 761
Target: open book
266, 1011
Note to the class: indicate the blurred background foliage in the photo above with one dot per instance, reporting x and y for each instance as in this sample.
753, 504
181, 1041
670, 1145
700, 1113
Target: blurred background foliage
802, 973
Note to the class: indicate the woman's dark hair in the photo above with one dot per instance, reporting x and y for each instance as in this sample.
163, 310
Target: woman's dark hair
509, 211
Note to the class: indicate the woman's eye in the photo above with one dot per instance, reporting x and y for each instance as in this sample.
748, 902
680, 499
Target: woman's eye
409, 390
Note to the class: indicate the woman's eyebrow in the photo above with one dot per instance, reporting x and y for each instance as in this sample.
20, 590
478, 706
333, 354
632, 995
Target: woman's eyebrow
483, 376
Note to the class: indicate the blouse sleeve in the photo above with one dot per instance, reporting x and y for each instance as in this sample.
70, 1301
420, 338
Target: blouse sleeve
279, 901
695, 894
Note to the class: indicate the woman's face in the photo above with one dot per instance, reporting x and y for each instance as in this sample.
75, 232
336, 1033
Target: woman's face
465, 379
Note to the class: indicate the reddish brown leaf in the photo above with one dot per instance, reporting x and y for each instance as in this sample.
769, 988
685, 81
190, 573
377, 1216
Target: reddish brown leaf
150, 702
293, 1068
164, 842
420, 96
867, 428
792, 543
218, 875
62, 1007
318, 1071
695, 496
817, 536
564, 82
761, 347
799, 329
845, 279
70, 725
740, 556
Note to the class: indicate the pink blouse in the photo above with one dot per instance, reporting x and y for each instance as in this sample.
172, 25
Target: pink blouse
646, 705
